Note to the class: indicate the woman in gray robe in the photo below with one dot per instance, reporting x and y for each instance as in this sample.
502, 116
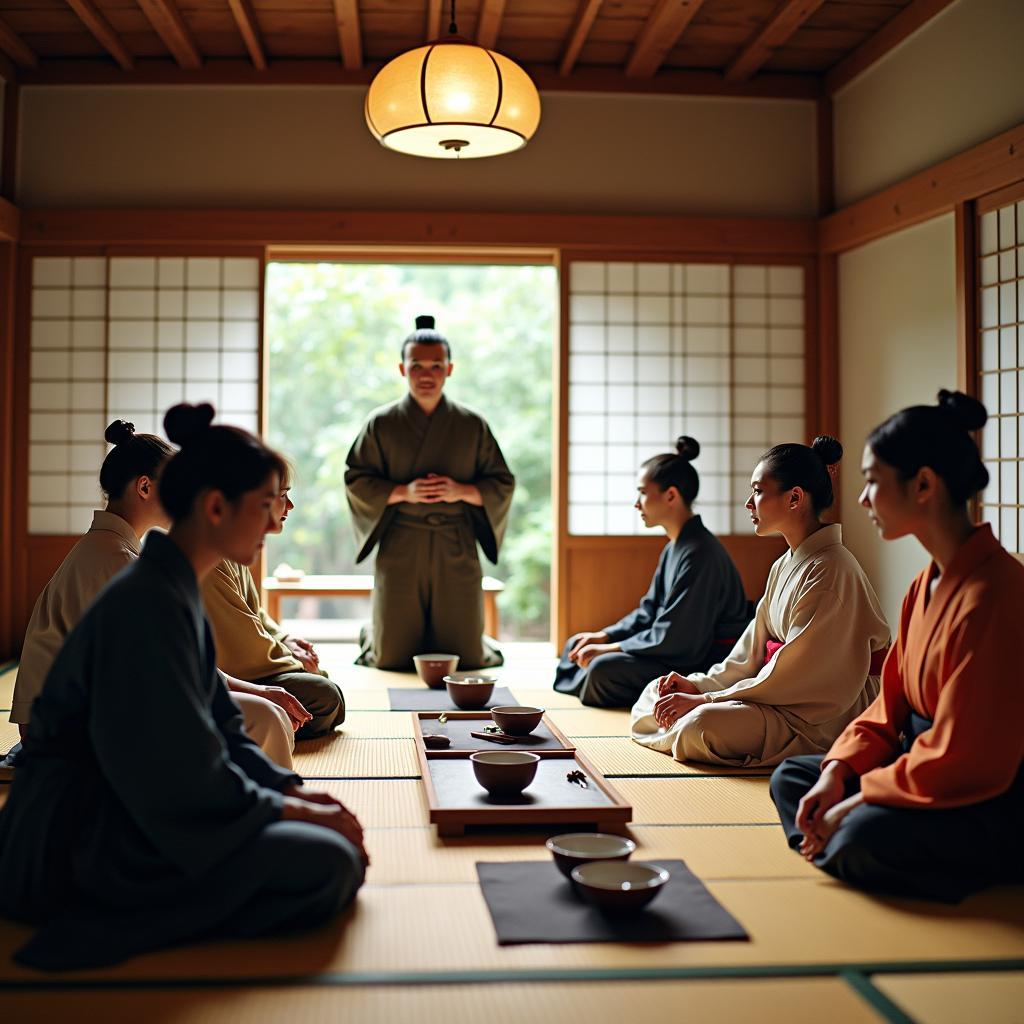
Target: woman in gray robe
142, 815
692, 613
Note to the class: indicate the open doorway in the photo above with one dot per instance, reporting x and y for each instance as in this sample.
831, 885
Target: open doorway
333, 334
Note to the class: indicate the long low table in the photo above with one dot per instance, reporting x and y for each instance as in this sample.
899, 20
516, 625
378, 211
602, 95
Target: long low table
360, 585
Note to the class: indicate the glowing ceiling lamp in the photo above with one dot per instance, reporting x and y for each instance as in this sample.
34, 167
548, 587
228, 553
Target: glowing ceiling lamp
452, 99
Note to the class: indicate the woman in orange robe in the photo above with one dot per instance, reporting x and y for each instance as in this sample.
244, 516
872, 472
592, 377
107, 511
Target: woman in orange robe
923, 793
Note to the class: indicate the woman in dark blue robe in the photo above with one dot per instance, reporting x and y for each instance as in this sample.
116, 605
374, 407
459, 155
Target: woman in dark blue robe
142, 815
690, 616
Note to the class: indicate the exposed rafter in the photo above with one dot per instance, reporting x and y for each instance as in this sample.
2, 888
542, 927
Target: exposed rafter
489, 23
666, 24
16, 48
778, 30
169, 25
433, 20
346, 18
94, 21
888, 37
585, 15
245, 19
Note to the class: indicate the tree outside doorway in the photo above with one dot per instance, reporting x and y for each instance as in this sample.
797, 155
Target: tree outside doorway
333, 335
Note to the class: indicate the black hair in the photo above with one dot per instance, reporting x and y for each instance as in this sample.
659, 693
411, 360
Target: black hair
937, 436
425, 334
132, 456
227, 459
796, 465
673, 469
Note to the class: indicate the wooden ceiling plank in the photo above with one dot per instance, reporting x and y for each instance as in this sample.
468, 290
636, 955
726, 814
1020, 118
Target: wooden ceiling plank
16, 48
169, 25
94, 21
433, 20
887, 38
346, 18
585, 15
489, 23
245, 19
661, 32
778, 30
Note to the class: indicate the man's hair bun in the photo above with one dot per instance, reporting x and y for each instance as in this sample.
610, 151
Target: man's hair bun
184, 423
687, 448
119, 432
969, 412
827, 448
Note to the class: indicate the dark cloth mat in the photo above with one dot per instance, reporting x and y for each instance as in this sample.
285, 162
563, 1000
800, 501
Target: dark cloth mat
459, 729
533, 901
438, 700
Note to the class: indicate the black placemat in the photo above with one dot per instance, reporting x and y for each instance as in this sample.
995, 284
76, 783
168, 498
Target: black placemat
459, 730
410, 699
532, 901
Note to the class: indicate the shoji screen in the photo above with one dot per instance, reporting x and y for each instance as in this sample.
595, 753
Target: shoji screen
662, 349
125, 338
1001, 362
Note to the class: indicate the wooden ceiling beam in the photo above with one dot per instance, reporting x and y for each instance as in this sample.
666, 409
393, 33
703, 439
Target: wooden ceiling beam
16, 48
433, 20
245, 19
94, 21
661, 32
346, 18
887, 38
778, 30
8, 72
585, 15
169, 25
489, 23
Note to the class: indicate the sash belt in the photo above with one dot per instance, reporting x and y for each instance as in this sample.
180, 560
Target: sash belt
772, 647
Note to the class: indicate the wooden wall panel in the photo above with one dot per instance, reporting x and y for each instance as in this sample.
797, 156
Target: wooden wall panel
8, 495
605, 577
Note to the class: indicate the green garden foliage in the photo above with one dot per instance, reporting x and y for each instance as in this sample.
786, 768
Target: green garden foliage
333, 335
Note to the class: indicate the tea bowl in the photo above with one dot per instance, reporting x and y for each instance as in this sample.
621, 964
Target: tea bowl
575, 848
432, 668
504, 773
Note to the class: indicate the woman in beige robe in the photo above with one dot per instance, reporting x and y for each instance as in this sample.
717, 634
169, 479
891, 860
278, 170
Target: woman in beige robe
128, 477
809, 661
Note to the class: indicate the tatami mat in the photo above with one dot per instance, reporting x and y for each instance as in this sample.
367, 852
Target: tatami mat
398, 928
9, 734
379, 724
538, 697
344, 757
693, 801
379, 803
591, 721
7, 679
985, 998
683, 1002
404, 856
621, 756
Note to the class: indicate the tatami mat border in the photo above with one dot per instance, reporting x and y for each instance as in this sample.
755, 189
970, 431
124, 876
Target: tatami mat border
875, 997
8, 665
341, 978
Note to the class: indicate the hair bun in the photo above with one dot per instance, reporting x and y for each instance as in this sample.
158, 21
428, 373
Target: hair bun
424, 323
687, 448
184, 423
827, 448
969, 412
119, 431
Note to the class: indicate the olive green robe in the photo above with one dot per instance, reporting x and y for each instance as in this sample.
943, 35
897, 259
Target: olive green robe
427, 593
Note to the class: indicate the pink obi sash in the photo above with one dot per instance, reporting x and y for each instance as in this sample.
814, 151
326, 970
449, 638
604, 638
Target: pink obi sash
772, 647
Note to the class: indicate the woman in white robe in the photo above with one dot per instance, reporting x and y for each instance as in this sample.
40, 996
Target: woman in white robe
807, 664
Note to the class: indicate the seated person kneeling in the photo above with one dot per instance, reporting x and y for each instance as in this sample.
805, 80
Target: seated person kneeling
129, 477
252, 646
692, 613
923, 794
808, 663
142, 815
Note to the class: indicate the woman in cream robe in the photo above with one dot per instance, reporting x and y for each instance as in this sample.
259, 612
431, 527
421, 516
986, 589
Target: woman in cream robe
809, 661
